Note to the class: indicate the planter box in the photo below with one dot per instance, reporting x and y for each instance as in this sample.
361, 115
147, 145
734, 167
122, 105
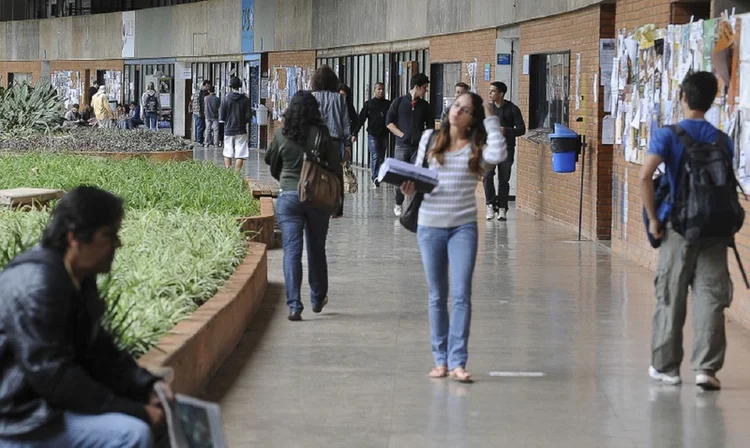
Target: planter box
262, 225
158, 156
197, 346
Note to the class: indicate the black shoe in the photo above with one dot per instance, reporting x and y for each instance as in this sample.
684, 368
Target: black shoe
319, 307
295, 316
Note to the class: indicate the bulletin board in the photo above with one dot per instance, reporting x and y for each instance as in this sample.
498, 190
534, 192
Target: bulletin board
284, 83
69, 86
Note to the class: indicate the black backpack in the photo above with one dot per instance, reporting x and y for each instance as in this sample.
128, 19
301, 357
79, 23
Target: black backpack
707, 203
152, 104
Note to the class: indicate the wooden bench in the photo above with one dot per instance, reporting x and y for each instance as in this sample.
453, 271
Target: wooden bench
260, 188
28, 197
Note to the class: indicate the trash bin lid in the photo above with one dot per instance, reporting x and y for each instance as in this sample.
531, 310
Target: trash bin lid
563, 132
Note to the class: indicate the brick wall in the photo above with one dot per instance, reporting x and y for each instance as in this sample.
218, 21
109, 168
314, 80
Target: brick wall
628, 233
35, 68
463, 48
541, 191
304, 59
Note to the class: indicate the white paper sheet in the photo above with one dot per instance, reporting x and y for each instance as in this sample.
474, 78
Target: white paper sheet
606, 55
608, 130
578, 81
596, 87
713, 115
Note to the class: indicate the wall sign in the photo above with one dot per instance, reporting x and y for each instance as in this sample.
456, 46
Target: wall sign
248, 26
503, 59
128, 34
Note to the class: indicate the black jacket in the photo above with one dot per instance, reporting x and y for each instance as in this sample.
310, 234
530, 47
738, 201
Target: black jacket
510, 117
375, 112
412, 121
55, 355
236, 112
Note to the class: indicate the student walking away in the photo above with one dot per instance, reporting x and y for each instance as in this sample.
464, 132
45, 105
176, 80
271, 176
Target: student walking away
150, 107
513, 126
374, 112
63, 381
211, 105
408, 117
302, 122
460, 89
460, 152
197, 107
332, 106
236, 112
694, 226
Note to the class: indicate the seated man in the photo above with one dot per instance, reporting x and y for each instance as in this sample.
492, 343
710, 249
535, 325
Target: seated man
134, 115
72, 114
63, 382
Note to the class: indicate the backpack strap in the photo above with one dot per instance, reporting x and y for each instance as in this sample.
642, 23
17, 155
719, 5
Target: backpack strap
683, 136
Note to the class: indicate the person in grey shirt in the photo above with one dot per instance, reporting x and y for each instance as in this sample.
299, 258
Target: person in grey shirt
332, 105
211, 106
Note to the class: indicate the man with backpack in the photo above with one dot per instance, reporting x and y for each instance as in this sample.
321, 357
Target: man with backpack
150, 107
408, 117
694, 226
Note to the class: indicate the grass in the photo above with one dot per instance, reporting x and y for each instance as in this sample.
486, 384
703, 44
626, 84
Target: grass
181, 238
190, 186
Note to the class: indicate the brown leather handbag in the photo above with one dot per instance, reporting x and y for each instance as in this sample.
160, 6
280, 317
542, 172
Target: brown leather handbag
319, 185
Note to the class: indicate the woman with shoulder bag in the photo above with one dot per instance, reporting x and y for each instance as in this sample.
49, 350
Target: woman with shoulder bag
291, 146
469, 142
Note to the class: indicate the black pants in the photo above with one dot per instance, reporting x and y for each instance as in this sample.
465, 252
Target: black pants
500, 200
404, 153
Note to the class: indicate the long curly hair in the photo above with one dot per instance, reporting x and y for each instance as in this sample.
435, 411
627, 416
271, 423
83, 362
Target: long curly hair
324, 80
302, 113
476, 134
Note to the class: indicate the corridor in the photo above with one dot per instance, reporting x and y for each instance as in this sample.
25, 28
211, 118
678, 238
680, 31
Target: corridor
559, 351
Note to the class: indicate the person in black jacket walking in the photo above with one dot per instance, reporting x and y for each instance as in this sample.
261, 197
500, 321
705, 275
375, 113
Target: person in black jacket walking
374, 112
408, 117
236, 113
512, 125
63, 381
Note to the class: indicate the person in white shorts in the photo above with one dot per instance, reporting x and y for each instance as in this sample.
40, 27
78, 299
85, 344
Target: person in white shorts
236, 113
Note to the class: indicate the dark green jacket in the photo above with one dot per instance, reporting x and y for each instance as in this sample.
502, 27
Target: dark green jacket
285, 159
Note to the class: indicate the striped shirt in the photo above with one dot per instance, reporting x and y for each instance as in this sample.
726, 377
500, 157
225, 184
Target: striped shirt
453, 202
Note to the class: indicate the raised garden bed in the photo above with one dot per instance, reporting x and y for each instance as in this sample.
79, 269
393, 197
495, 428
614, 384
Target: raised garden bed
182, 239
161, 156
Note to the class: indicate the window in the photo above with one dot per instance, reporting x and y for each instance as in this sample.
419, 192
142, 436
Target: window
443, 80
550, 86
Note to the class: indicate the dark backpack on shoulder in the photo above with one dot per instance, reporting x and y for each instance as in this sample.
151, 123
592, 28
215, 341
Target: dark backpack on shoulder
152, 104
707, 203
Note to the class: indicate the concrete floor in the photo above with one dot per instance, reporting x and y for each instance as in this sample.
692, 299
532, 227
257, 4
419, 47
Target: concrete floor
355, 375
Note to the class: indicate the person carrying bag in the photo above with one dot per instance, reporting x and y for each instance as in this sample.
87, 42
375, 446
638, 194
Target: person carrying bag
307, 164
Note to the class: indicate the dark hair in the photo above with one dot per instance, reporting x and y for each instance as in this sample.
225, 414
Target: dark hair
325, 80
346, 89
700, 89
76, 105
380, 83
235, 82
206, 83
212, 89
133, 103
463, 85
419, 80
83, 210
302, 113
151, 86
476, 133
500, 86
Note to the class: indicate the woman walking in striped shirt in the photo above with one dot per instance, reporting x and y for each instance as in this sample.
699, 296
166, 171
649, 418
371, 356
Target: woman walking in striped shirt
468, 143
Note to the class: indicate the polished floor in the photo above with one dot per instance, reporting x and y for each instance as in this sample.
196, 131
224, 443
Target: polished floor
559, 350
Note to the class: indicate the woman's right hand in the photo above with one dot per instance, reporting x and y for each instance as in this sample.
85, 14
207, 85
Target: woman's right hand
408, 188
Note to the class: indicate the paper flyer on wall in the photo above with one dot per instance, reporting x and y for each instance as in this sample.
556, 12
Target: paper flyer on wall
192, 423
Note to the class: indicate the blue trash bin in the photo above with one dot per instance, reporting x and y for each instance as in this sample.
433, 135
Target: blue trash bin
565, 147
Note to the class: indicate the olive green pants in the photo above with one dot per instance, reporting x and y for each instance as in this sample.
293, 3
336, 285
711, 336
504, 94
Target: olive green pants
703, 268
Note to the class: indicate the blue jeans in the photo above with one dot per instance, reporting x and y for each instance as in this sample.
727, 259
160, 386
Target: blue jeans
295, 217
377, 147
449, 253
90, 431
200, 127
151, 121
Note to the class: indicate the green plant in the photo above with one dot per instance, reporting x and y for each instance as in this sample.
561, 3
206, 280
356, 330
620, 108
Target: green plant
25, 110
84, 139
189, 186
171, 262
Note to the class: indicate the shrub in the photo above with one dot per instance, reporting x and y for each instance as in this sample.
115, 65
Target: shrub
190, 186
170, 263
25, 110
95, 140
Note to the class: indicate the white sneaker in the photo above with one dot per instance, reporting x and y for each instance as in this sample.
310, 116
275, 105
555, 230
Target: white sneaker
374, 186
502, 215
707, 382
397, 210
663, 377
490, 213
